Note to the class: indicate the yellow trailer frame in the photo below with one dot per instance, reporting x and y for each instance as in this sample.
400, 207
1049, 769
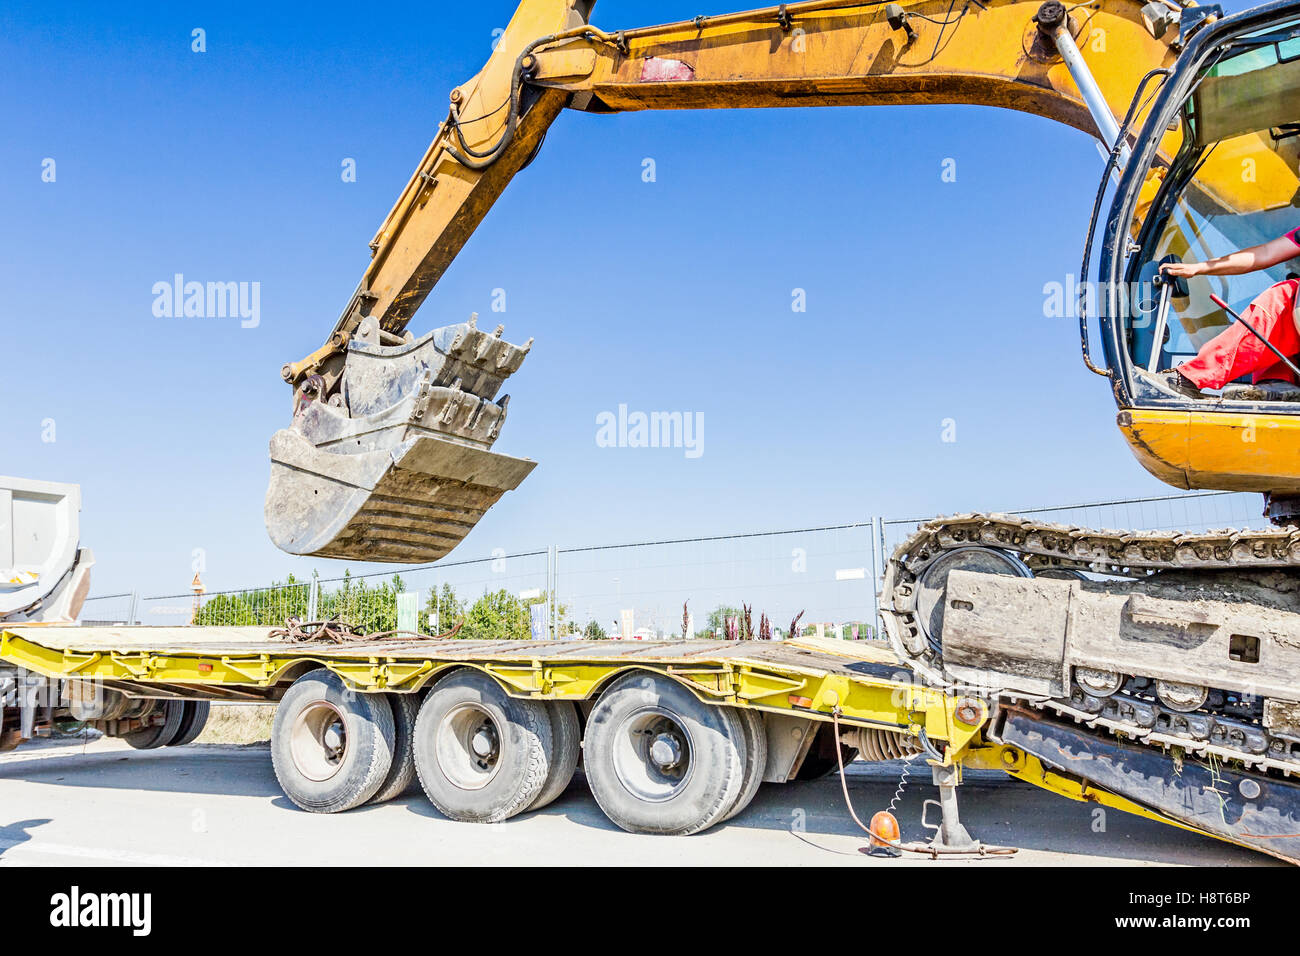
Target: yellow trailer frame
807, 678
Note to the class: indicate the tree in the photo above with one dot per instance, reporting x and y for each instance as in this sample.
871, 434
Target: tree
368, 608
496, 616
594, 632
500, 616
717, 621
446, 607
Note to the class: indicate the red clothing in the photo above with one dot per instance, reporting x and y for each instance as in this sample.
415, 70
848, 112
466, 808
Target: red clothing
1234, 352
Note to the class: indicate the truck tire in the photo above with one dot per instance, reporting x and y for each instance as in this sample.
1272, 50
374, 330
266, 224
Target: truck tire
193, 721
567, 738
659, 760
158, 734
402, 770
331, 747
755, 758
481, 755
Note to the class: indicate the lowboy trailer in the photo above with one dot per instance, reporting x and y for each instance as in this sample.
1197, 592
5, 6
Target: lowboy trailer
673, 737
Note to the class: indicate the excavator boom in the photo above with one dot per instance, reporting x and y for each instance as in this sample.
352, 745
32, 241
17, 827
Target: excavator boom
389, 454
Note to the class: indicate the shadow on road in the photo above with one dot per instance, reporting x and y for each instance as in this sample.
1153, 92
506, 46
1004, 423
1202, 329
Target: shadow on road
16, 834
194, 768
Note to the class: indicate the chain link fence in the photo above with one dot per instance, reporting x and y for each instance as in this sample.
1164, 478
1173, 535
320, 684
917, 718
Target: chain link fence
824, 578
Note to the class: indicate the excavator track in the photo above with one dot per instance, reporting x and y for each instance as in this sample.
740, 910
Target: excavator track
1187, 642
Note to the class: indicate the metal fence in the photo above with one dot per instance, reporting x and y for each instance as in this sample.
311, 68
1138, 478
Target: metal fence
428, 599
110, 608
667, 588
826, 576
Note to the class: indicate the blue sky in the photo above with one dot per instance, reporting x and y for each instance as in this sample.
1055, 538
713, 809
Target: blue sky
924, 298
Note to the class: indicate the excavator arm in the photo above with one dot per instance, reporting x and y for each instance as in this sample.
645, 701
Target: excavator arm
388, 457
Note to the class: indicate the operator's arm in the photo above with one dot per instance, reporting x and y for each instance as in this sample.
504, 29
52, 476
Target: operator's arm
1263, 256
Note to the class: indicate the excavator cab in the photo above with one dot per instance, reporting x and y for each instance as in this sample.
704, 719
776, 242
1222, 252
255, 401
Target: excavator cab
1212, 171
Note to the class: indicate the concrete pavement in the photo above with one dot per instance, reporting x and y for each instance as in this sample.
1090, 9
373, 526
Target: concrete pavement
98, 802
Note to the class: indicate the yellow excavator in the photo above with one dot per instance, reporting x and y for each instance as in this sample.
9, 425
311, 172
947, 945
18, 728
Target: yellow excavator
1134, 648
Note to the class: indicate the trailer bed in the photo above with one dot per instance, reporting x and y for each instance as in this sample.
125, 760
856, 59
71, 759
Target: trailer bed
809, 677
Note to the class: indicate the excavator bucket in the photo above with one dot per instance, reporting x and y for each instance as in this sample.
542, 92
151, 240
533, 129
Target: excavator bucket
397, 466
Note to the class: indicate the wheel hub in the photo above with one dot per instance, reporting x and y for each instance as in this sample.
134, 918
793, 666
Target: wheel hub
652, 755
333, 738
666, 751
484, 743
318, 741
468, 746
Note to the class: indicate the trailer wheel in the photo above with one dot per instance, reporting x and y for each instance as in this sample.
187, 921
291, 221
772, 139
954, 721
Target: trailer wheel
567, 737
402, 770
193, 721
158, 734
755, 758
659, 760
481, 755
331, 747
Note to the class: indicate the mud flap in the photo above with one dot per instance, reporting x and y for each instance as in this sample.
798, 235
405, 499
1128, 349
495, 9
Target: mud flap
409, 504
1250, 809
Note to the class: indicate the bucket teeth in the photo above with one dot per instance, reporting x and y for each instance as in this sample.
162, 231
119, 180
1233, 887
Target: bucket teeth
487, 352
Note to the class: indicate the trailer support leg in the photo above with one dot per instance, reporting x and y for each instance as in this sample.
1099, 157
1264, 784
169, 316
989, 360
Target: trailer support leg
29, 689
949, 833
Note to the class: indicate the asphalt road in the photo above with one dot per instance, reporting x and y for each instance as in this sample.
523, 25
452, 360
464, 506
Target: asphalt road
101, 803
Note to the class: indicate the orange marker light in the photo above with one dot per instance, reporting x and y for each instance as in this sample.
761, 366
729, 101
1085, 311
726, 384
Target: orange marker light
884, 829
